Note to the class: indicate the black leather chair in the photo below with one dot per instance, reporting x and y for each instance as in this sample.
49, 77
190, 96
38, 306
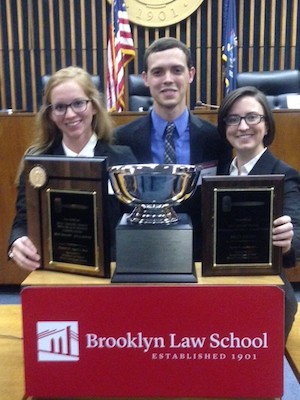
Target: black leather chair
276, 85
95, 79
139, 97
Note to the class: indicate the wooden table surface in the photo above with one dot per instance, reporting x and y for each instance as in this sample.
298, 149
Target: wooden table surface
46, 278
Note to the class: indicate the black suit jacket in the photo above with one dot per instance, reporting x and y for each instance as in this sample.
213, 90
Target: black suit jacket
268, 164
205, 142
116, 155
205, 145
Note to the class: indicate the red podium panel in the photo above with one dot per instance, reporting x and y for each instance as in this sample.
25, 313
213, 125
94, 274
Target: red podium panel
153, 341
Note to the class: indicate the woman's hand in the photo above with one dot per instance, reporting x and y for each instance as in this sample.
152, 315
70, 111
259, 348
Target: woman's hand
24, 253
283, 233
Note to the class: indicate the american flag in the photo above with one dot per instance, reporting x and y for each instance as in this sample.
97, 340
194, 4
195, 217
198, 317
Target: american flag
120, 51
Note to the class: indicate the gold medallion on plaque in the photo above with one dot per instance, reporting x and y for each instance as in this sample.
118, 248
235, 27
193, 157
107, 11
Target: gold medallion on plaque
159, 13
38, 176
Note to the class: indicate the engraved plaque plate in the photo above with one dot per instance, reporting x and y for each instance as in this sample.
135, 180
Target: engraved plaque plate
237, 221
72, 228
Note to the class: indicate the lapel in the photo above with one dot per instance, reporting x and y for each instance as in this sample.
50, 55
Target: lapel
141, 139
101, 149
57, 150
265, 165
196, 145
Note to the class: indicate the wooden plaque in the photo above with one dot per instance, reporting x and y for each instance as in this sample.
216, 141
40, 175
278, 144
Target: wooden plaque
237, 221
67, 213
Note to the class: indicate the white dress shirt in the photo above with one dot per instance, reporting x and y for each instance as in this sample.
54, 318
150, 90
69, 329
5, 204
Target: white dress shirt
246, 168
87, 151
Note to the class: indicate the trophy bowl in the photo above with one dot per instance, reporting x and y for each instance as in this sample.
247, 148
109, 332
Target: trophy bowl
153, 190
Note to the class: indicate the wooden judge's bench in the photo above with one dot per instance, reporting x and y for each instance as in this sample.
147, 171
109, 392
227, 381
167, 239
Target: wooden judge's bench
16, 133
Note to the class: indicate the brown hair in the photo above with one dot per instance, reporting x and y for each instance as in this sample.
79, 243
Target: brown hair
233, 96
167, 43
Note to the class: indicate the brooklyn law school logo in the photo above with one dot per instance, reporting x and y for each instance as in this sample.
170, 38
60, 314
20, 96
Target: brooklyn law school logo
57, 341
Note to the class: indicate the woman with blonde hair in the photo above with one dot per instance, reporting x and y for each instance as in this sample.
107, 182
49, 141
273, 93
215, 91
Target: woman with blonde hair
72, 121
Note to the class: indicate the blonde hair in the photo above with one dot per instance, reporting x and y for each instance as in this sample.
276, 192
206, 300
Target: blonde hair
47, 133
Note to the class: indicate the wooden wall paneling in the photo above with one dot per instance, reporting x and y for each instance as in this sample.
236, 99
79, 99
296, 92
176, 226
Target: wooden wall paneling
11, 58
197, 56
68, 32
146, 36
2, 82
82, 28
251, 35
94, 38
33, 74
261, 37
52, 23
22, 55
41, 40
200, 60
62, 35
209, 51
272, 34
104, 40
73, 34
219, 77
240, 28
282, 34
294, 21
188, 43
134, 30
178, 29
15, 136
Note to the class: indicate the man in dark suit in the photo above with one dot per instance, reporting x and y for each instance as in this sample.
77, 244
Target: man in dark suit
168, 72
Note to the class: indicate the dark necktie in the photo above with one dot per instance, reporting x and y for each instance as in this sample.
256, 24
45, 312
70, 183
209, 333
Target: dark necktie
170, 155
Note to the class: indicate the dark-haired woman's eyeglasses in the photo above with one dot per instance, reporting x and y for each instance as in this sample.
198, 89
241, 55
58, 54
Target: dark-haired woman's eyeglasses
250, 119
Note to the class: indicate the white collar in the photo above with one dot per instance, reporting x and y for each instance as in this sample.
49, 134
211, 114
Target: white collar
246, 168
87, 151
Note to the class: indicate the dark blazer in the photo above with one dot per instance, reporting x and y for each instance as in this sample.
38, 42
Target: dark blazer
269, 164
205, 145
205, 142
116, 155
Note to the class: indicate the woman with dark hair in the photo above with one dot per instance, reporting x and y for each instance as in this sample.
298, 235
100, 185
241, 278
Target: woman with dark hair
245, 120
72, 121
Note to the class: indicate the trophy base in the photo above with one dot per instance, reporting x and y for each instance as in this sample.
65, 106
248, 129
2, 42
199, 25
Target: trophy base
155, 278
153, 215
154, 253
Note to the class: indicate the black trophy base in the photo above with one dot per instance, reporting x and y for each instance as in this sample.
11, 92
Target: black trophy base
154, 253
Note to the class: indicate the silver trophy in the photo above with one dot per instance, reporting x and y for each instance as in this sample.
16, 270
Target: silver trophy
153, 190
